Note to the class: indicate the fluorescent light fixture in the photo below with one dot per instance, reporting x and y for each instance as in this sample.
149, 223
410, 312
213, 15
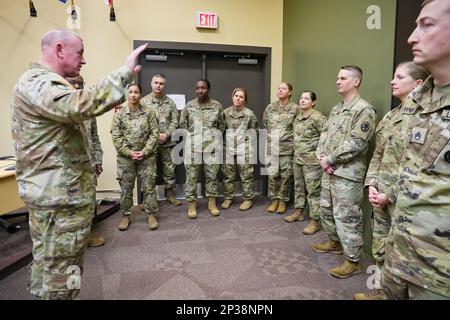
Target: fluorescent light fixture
247, 61
155, 57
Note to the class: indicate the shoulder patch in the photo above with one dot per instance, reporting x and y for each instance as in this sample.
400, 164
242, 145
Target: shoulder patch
365, 126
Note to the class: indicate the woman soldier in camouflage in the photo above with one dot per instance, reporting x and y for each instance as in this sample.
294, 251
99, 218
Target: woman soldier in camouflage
308, 126
241, 137
383, 172
204, 121
135, 134
279, 119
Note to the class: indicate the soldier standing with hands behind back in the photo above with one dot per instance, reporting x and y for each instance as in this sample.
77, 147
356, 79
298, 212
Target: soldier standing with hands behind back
53, 168
167, 115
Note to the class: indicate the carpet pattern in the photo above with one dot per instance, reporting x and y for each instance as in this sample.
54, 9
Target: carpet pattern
238, 255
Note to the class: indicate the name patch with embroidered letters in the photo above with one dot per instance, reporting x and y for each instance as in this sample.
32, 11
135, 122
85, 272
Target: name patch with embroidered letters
418, 135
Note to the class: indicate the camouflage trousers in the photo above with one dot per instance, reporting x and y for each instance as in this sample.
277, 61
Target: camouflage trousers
307, 182
127, 171
230, 171
211, 179
280, 177
168, 167
396, 288
59, 242
341, 214
381, 224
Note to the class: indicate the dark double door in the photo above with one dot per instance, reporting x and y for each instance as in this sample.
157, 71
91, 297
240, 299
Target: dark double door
226, 67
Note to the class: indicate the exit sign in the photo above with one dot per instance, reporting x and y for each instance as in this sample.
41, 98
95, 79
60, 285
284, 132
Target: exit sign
207, 20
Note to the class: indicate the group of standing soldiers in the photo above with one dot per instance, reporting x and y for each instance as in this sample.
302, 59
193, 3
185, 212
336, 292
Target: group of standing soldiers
55, 172
139, 142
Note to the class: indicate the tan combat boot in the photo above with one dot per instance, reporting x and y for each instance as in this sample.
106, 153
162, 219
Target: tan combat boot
124, 223
330, 246
376, 294
152, 223
296, 216
95, 241
312, 227
345, 270
192, 210
212, 207
247, 204
227, 203
273, 206
170, 197
281, 207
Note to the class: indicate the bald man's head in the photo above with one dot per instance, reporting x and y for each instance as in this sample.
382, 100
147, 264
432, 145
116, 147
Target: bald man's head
57, 35
63, 51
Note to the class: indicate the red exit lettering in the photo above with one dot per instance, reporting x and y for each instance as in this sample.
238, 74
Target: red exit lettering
207, 20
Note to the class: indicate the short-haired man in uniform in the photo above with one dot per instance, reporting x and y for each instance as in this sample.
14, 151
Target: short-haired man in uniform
417, 264
167, 115
342, 152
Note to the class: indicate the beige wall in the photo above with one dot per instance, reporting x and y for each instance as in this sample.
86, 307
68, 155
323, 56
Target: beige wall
249, 22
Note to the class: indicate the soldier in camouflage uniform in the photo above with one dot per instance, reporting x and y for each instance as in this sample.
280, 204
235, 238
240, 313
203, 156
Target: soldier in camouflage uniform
167, 115
204, 120
342, 151
135, 134
241, 139
278, 119
417, 263
383, 173
308, 126
94, 148
53, 168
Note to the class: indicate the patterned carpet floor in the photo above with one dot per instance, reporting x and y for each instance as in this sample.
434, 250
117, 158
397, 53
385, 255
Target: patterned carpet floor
249, 255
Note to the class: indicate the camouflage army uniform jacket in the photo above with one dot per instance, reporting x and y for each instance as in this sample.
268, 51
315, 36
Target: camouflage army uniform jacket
383, 170
166, 114
345, 139
280, 121
239, 125
135, 131
307, 130
421, 222
205, 124
93, 144
53, 167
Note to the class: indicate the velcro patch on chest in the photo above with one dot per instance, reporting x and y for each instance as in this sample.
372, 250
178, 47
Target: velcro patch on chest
418, 135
